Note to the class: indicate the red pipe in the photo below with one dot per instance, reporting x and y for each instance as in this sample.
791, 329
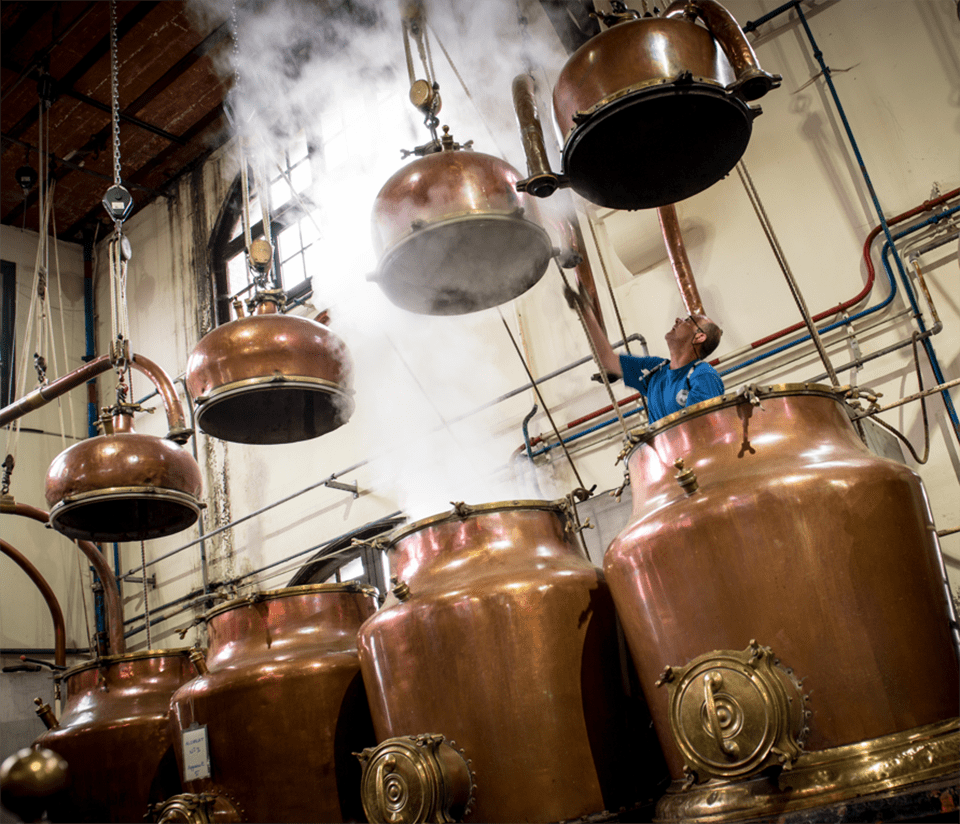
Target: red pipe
111, 593
871, 273
59, 628
926, 206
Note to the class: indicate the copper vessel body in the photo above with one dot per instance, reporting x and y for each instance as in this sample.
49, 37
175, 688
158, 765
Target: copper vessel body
270, 378
283, 703
658, 88
505, 644
113, 734
801, 538
455, 236
123, 486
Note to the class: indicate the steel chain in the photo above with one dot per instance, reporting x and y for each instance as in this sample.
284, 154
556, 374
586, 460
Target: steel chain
115, 92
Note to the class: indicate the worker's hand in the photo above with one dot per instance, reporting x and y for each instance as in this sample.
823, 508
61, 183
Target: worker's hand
575, 299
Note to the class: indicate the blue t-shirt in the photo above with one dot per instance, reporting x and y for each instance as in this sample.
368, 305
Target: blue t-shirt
670, 390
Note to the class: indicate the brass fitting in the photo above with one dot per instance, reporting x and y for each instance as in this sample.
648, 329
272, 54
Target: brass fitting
46, 714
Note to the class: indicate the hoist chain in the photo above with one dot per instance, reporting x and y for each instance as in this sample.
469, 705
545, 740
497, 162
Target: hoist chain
115, 92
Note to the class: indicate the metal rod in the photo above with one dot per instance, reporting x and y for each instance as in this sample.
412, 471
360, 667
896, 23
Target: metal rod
914, 397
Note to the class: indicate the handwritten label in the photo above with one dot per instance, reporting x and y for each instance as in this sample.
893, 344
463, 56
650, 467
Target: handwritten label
196, 753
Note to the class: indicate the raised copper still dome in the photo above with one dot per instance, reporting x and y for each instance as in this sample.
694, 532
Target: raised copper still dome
123, 486
270, 378
454, 235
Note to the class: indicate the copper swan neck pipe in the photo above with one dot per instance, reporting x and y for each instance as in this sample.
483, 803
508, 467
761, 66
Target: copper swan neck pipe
111, 593
752, 82
158, 377
677, 252
59, 628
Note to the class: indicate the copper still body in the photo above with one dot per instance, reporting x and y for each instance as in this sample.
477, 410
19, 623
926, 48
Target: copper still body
453, 234
270, 378
655, 109
498, 645
123, 486
283, 704
113, 734
783, 597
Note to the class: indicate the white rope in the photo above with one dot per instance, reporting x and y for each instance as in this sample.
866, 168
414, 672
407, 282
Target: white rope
63, 329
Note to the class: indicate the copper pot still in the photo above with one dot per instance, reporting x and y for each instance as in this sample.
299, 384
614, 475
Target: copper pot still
270, 378
492, 674
283, 706
123, 486
656, 109
784, 599
113, 735
453, 235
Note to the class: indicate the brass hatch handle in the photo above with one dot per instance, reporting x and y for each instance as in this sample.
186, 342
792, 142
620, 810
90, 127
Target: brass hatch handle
712, 682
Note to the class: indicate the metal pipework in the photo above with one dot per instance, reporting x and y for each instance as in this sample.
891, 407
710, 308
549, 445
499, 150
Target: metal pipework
752, 82
59, 628
111, 593
541, 181
41, 396
680, 263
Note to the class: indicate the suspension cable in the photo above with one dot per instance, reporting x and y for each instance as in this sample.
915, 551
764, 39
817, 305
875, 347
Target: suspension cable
761, 213
543, 403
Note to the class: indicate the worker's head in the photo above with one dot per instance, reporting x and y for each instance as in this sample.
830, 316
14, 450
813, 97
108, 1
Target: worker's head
697, 331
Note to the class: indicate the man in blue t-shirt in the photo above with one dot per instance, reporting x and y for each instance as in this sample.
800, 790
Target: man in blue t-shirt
667, 385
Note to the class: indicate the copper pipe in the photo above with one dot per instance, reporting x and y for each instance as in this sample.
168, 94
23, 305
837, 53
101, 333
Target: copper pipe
168, 394
572, 238
752, 81
676, 251
44, 394
111, 593
59, 629
541, 181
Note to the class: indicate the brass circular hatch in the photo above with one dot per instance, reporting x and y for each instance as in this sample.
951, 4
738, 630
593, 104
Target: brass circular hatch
414, 779
734, 714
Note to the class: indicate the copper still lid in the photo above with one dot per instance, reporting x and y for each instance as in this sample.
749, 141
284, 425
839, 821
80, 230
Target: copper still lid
455, 236
462, 511
272, 594
123, 487
642, 434
109, 660
270, 378
651, 110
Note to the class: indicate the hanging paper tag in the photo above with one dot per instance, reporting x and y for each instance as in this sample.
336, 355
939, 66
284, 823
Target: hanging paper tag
196, 753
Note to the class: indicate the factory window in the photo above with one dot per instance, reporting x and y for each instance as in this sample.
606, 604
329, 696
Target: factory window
294, 227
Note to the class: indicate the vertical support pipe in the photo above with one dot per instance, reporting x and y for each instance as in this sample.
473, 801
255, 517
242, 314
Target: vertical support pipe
677, 252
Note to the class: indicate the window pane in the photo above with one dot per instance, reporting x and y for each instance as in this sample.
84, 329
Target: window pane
301, 176
309, 230
279, 193
237, 278
352, 570
291, 272
288, 242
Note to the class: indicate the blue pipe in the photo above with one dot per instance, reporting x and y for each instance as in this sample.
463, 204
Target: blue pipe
928, 347
893, 290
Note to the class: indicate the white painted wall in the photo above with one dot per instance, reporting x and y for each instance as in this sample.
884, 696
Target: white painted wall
413, 373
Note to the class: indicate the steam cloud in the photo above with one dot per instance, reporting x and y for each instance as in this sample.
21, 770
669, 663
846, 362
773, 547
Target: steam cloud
337, 71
